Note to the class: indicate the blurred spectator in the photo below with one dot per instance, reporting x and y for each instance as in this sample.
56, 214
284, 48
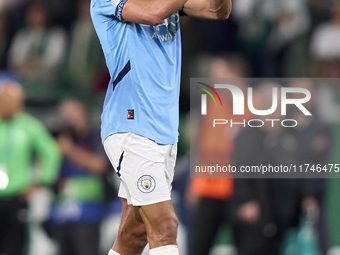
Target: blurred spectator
21, 136
319, 11
85, 57
36, 54
79, 205
290, 38
210, 197
4, 41
64, 12
328, 101
291, 20
254, 18
265, 209
324, 49
314, 139
5, 4
271, 34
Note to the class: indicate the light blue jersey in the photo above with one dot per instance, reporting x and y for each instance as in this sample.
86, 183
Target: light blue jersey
145, 64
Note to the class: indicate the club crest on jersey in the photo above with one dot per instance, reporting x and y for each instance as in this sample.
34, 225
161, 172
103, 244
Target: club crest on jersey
115, 2
146, 183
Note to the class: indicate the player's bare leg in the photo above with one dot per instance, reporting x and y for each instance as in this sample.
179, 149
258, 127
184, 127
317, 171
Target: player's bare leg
131, 238
161, 225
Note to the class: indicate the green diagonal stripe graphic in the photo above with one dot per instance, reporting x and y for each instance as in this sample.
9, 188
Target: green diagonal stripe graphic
207, 91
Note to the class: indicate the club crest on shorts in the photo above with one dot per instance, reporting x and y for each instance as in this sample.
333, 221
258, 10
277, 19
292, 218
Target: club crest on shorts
146, 183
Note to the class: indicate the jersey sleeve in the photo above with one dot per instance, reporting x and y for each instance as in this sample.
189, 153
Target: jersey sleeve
110, 8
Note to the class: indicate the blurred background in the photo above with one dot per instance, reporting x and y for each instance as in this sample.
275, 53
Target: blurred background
63, 200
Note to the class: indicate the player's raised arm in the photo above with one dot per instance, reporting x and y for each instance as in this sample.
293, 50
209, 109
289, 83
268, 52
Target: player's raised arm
150, 12
208, 9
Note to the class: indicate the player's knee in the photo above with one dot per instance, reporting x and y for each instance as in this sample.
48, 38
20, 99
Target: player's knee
167, 230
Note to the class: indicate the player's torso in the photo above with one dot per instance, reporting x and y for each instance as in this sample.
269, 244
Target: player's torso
144, 63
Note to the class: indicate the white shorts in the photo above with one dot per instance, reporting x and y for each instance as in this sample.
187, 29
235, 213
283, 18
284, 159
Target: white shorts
145, 168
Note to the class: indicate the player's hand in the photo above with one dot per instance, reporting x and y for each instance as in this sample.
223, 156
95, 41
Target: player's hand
249, 212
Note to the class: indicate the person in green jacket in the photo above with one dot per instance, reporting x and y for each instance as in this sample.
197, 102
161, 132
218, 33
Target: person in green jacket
29, 158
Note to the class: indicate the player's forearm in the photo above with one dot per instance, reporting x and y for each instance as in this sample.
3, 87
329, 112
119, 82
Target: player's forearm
209, 9
150, 12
